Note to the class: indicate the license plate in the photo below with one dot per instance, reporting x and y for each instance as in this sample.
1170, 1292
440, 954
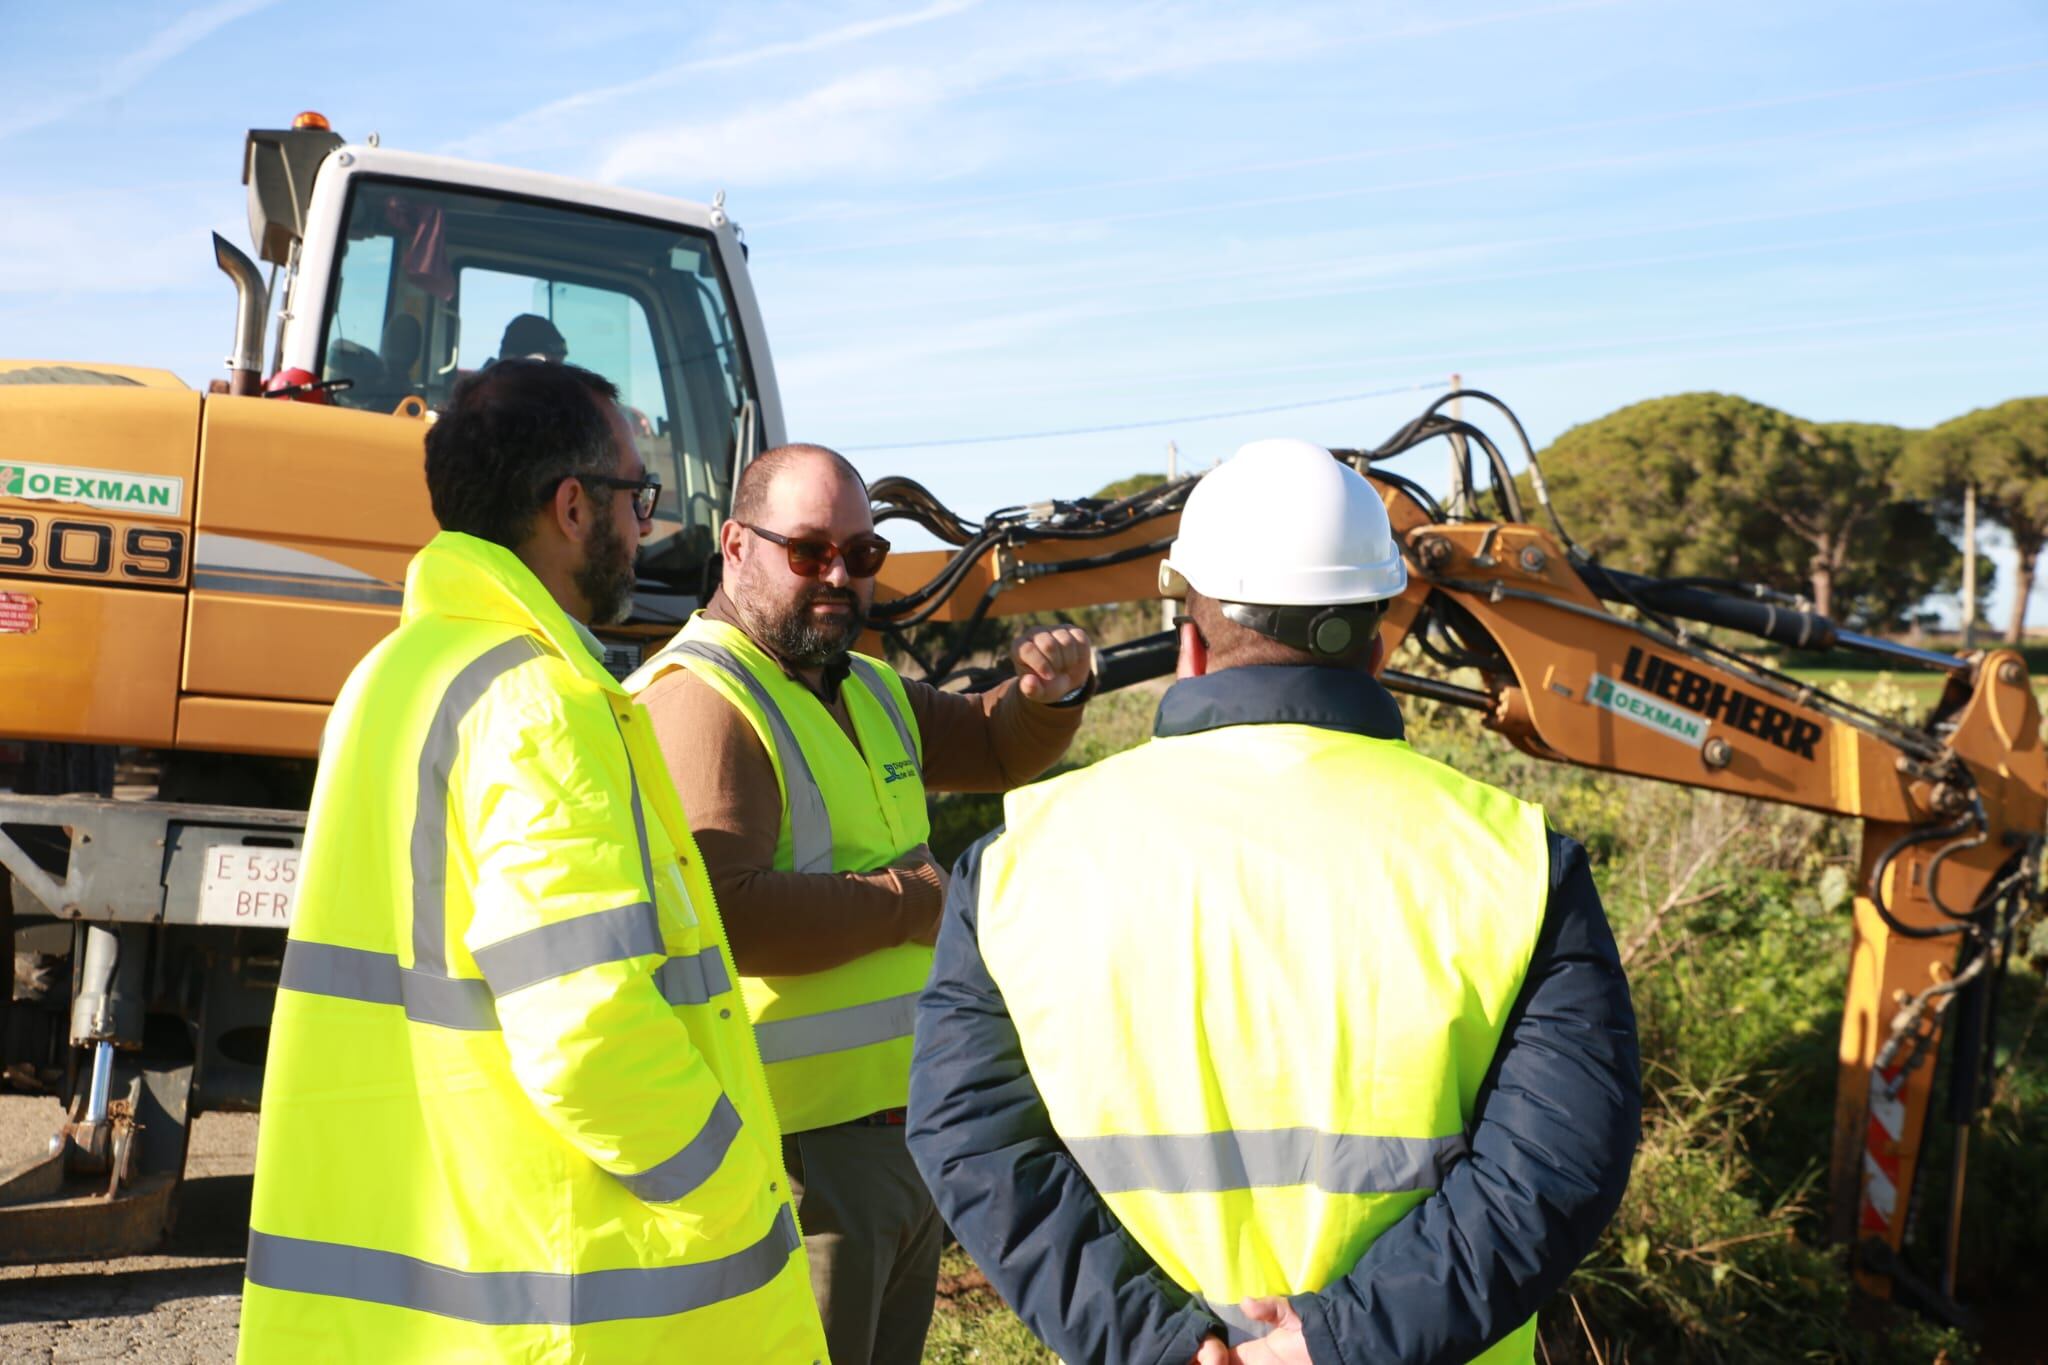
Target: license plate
248, 887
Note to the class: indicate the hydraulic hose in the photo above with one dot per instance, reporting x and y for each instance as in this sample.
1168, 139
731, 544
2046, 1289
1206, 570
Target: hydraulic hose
1780, 625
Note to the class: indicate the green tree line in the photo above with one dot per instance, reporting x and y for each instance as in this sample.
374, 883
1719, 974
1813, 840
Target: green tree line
1858, 517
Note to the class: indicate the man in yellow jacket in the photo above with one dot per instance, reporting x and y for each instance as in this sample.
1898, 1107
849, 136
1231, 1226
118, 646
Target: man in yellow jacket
804, 766
513, 1109
1271, 1040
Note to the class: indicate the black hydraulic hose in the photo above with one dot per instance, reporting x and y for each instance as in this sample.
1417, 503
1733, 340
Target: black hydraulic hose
1957, 924
1136, 661
963, 645
1431, 689
1423, 497
1781, 625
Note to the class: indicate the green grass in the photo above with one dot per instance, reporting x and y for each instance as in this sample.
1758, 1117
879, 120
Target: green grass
1732, 917
972, 1327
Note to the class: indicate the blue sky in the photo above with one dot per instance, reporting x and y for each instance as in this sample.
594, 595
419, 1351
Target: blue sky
988, 219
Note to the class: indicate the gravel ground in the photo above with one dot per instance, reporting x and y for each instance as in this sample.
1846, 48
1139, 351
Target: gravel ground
177, 1308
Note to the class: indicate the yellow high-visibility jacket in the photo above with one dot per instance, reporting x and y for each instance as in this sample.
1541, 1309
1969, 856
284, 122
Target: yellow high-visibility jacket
513, 1109
837, 1042
1274, 1005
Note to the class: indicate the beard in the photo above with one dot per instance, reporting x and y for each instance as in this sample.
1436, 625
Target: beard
606, 577
800, 638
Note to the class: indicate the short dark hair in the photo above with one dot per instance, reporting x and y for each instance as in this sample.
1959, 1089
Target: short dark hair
509, 434
757, 478
529, 334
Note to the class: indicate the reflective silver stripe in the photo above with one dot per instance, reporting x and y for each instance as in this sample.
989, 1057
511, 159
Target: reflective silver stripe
694, 1164
810, 827
430, 815
455, 1002
693, 980
872, 676
377, 979
639, 814
570, 945
1238, 1327
514, 1297
451, 1002
812, 1035
1208, 1163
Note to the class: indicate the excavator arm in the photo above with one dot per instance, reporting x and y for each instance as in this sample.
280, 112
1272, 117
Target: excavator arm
1582, 664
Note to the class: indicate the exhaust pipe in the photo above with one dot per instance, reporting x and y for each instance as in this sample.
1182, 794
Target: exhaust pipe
252, 301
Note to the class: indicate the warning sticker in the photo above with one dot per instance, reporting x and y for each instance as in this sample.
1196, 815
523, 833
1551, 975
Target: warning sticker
17, 613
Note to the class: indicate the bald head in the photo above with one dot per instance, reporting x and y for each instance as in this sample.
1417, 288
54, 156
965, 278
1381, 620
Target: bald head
751, 500
805, 493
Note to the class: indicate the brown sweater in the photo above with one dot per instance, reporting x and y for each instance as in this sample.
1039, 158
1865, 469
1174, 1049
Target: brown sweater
789, 923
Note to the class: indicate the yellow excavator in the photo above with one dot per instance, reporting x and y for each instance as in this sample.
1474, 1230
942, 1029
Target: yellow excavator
186, 579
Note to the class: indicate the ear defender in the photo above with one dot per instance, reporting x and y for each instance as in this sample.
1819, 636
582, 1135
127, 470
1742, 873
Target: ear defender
1331, 634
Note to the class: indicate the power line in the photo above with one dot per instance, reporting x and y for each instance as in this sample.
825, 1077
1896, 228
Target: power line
1417, 387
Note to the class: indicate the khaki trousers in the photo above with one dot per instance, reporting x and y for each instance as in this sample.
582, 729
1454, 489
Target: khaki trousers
873, 1237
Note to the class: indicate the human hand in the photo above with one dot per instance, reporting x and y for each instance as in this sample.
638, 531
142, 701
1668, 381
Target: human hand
1213, 1352
1286, 1344
1052, 661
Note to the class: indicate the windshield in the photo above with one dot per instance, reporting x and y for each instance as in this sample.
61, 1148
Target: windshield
434, 283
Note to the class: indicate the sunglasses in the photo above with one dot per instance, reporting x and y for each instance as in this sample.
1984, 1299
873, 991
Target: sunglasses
810, 558
646, 490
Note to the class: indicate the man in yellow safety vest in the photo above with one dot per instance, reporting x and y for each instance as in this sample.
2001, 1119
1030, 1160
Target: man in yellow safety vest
1271, 1040
804, 768
513, 1107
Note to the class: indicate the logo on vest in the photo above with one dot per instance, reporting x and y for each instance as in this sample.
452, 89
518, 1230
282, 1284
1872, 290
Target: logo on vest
897, 771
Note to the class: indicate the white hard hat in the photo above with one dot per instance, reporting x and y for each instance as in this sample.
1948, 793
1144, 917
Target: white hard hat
1283, 523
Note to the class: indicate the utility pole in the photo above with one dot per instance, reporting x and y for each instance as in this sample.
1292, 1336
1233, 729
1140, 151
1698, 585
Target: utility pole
1970, 564
1168, 608
1461, 489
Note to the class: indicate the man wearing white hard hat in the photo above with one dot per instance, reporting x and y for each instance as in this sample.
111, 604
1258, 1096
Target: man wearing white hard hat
1271, 1040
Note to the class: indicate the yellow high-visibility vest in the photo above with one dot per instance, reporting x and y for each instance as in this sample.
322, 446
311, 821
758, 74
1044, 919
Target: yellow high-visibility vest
513, 1109
837, 1042
1259, 973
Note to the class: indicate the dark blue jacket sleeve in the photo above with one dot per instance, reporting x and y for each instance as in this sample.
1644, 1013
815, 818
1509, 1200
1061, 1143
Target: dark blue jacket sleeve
1554, 1134
1017, 1201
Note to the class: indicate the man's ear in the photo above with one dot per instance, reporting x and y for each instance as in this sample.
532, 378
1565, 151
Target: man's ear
731, 536
570, 510
1194, 652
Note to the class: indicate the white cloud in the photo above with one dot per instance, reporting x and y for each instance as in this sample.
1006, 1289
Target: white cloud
864, 124
520, 129
126, 72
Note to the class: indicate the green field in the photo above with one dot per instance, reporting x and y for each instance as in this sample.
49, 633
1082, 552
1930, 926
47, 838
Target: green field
1732, 918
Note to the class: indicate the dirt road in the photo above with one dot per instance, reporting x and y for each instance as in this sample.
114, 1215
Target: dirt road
176, 1308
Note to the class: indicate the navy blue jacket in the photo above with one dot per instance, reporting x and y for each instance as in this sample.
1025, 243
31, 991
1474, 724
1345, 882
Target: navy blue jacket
1553, 1132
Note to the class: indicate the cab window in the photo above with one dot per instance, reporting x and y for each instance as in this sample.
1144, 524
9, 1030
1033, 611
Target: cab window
433, 284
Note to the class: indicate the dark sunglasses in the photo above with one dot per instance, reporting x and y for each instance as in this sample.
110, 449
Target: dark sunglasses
646, 490
811, 558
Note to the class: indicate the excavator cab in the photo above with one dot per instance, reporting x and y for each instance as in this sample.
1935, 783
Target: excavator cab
404, 272
187, 578
429, 278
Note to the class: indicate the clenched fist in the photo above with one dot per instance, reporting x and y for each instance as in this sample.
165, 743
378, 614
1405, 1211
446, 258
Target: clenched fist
1052, 661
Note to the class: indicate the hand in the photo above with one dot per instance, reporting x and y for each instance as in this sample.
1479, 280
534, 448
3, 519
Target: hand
1213, 1352
921, 856
1052, 661
1286, 1344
